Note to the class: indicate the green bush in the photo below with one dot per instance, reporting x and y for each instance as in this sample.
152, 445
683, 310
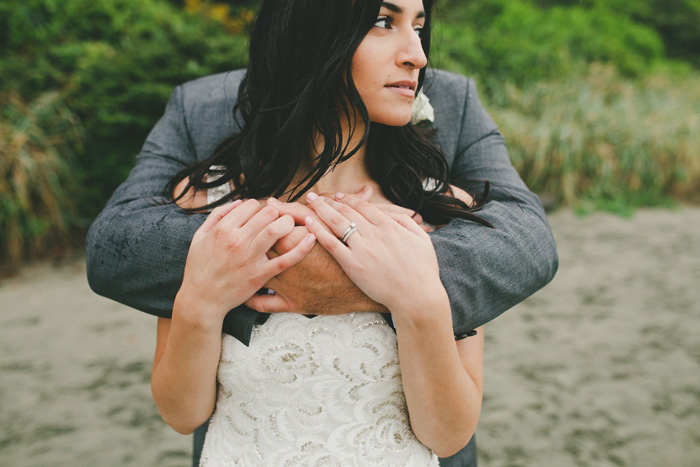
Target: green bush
115, 61
676, 21
514, 41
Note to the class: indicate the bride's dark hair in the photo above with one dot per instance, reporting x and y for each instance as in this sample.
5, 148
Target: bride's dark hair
298, 82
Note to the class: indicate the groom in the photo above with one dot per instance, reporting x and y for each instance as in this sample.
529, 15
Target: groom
136, 249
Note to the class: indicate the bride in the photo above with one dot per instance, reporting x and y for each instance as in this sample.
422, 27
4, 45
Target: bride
326, 106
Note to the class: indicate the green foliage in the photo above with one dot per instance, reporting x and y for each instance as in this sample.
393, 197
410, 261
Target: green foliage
514, 41
116, 62
676, 21
605, 142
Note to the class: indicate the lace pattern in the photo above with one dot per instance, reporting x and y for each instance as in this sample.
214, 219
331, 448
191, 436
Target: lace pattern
217, 192
313, 392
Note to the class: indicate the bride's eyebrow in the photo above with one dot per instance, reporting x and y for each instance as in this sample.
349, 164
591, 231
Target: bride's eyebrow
397, 9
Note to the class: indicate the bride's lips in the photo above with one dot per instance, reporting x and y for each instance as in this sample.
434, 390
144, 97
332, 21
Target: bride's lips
404, 88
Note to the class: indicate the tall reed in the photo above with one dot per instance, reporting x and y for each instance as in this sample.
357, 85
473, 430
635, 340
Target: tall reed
37, 186
602, 141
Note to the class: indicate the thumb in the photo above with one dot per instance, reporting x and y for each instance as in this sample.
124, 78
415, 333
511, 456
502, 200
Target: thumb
268, 303
298, 211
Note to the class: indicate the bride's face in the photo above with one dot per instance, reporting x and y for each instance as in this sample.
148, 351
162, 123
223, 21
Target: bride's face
386, 65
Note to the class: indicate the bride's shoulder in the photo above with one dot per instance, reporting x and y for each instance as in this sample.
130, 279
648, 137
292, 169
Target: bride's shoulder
191, 199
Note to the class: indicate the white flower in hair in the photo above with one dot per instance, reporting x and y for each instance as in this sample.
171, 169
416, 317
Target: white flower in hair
422, 110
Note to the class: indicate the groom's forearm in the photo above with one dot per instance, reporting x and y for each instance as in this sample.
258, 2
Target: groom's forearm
136, 254
486, 271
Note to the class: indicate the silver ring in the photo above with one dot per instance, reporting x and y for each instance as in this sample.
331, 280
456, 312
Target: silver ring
349, 231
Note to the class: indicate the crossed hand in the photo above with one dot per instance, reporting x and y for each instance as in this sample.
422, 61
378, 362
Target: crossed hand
246, 246
318, 284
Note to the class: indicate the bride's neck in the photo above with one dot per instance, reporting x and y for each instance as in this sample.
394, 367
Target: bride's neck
349, 176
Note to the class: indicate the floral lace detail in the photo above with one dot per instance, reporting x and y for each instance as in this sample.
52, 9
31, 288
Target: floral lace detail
313, 392
217, 192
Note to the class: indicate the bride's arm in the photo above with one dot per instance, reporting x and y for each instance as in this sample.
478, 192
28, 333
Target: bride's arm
396, 266
442, 378
226, 264
183, 381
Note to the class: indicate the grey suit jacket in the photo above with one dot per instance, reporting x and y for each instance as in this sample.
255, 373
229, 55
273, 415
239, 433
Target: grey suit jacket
136, 250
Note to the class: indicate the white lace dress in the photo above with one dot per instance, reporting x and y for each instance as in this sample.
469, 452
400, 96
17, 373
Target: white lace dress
320, 391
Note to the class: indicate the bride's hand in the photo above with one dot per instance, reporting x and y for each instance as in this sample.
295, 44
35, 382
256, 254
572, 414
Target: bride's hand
389, 257
227, 261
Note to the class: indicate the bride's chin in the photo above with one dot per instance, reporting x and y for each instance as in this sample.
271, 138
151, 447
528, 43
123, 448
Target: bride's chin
393, 119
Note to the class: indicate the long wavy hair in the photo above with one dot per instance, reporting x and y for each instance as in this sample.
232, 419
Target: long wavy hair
298, 85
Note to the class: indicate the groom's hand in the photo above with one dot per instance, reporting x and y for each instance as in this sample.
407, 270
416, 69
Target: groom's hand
316, 285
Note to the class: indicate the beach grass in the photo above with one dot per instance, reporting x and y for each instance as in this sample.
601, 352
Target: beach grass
599, 141
37, 185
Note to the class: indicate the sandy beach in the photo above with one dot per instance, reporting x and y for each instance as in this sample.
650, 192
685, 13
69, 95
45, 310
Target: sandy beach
602, 367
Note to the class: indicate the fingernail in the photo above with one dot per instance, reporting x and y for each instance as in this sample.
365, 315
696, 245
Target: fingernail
311, 238
273, 200
308, 220
339, 195
237, 202
366, 187
311, 196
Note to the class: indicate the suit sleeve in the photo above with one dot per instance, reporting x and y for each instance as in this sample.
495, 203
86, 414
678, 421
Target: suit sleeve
136, 248
487, 271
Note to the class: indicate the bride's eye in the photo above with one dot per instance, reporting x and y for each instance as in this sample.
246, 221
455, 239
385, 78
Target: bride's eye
387, 20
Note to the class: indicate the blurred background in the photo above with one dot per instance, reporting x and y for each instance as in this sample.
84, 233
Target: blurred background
599, 101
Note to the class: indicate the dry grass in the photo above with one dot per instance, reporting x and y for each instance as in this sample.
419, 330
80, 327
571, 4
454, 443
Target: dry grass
37, 141
603, 141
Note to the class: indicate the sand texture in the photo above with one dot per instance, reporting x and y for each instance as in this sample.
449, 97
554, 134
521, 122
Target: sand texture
602, 367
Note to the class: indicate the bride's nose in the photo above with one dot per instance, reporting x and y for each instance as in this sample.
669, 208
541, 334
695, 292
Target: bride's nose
411, 52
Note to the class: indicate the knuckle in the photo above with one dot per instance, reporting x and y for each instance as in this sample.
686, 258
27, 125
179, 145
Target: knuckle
256, 281
218, 209
234, 242
273, 230
345, 210
387, 222
269, 232
282, 264
288, 221
269, 211
334, 247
